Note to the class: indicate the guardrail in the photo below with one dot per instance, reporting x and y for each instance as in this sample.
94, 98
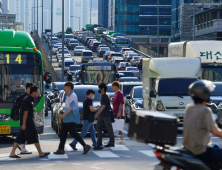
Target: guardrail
46, 63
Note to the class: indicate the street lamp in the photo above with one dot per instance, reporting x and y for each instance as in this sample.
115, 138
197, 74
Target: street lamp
148, 31
79, 21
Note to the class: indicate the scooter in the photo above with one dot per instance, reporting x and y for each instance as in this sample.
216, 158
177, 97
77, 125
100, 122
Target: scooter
181, 159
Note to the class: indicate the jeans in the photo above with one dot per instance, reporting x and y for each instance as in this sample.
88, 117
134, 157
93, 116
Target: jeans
107, 122
88, 127
211, 155
71, 128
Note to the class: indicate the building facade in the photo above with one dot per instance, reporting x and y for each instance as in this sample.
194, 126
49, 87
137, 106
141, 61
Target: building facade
46, 20
5, 6
0, 6
103, 13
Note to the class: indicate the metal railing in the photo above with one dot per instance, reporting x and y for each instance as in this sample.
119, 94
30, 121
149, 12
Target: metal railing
46, 63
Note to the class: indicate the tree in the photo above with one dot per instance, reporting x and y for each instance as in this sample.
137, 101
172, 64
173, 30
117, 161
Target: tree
69, 30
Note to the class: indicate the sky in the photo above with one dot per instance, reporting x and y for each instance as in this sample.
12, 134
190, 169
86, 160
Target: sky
47, 4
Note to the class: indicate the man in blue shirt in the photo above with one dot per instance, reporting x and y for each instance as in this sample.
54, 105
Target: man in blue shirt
70, 118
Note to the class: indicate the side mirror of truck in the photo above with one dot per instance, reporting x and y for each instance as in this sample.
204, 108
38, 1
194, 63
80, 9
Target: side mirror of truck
152, 93
128, 97
48, 77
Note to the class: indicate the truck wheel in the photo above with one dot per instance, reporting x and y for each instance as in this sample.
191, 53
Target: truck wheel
127, 112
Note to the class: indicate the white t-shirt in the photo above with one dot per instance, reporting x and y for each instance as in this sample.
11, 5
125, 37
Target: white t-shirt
14, 88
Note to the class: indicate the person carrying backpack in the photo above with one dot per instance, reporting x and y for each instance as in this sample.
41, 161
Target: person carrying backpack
15, 113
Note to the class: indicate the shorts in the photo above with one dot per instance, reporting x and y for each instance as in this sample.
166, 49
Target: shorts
115, 117
29, 134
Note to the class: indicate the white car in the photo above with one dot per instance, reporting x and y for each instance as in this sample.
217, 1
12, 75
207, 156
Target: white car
116, 60
66, 53
78, 50
134, 60
130, 56
68, 62
125, 53
60, 61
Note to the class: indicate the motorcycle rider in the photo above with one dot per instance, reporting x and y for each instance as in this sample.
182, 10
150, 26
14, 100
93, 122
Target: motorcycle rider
199, 123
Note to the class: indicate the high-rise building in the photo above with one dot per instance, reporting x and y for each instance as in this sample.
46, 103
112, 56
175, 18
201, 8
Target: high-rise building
140, 16
0, 6
103, 13
23, 11
5, 6
85, 13
46, 20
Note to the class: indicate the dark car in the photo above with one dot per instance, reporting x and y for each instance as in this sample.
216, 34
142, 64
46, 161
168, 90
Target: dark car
216, 95
106, 55
72, 44
87, 40
139, 64
127, 73
73, 68
110, 92
94, 46
129, 79
80, 91
133, 101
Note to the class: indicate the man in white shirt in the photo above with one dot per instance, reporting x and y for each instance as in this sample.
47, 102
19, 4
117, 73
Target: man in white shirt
18, 84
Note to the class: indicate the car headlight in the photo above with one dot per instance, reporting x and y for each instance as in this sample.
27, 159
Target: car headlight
40, 118
4, 116
159, 106
138, 107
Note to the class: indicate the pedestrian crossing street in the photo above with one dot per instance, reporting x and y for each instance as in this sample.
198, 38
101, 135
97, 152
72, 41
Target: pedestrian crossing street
112, 152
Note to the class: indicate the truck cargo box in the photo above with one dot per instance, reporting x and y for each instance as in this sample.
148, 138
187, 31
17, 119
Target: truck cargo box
153, 127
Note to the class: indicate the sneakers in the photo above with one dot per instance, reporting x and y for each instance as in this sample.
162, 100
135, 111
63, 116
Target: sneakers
106, 142
121, 142
25, 151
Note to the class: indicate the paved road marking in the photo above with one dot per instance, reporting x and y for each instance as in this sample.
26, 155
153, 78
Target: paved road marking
31, 148
43, 166
105, 154
148, 153
119, 148
5, 157
53, 156
78, 146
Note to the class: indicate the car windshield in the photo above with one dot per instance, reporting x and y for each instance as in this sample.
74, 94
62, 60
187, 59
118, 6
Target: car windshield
105, 49
115, 55
132, 69
128, 74
136, 58
80, 91
80, 48
128, 88
87, 54
96, 44
138, 92
67, 64
122, 41
174, 87
217, 91
73, 68
134, 54
127, 52
69, 36
108, 52
124, 79
73, 41
118, 61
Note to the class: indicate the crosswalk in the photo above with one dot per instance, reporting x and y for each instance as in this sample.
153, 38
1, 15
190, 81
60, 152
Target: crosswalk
112, 152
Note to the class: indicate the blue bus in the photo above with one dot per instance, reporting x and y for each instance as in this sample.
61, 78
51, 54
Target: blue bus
121, 42
97, 71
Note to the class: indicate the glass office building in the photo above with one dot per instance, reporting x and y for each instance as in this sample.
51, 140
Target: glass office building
136, 17
103, 13
0, 6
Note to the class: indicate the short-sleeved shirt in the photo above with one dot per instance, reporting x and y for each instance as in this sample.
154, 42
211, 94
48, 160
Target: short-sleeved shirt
86, 110
198, 124
14, 88
27, 105
72, 103
105, 101
118, 98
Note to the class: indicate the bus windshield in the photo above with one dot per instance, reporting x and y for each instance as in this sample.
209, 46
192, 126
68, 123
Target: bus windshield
122, 41
16, 71
98, 74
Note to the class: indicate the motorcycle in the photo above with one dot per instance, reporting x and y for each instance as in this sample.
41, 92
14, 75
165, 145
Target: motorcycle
181, 159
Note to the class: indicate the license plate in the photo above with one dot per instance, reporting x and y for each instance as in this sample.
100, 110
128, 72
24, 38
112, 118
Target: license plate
5, 129
178, 114
159, 167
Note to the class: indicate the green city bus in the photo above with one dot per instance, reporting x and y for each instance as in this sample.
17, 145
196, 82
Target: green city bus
20, 62
88, 26
99, 33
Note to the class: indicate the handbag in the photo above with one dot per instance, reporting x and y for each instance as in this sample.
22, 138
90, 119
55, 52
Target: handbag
118, 127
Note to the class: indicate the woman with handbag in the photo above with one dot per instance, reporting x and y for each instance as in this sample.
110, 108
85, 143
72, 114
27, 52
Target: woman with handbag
88, 119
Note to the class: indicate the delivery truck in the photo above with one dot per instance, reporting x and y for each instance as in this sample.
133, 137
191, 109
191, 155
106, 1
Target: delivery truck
210, 53
166, 82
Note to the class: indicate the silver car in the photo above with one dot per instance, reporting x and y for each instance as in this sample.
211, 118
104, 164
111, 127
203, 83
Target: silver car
134, 70
78, 50
86, 56
134, 60
130, 56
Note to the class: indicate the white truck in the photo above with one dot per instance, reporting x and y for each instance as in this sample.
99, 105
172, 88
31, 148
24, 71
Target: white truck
87, 34
166, 82
210, 53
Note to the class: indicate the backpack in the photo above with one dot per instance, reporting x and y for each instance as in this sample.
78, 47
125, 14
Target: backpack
15, 110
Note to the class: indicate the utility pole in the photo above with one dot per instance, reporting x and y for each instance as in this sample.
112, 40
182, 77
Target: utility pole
51, 32
194, 20
37, 17
173, 34
42, 21
90, 12
158, 28
148, 30
34, 17
62, 40
123, 16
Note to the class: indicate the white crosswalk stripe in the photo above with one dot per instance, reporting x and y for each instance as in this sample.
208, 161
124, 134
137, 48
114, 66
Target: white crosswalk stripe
53, 156
5, 157
119, 148
105, 154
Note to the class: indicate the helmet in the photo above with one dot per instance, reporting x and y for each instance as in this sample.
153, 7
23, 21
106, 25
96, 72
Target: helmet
201, 90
